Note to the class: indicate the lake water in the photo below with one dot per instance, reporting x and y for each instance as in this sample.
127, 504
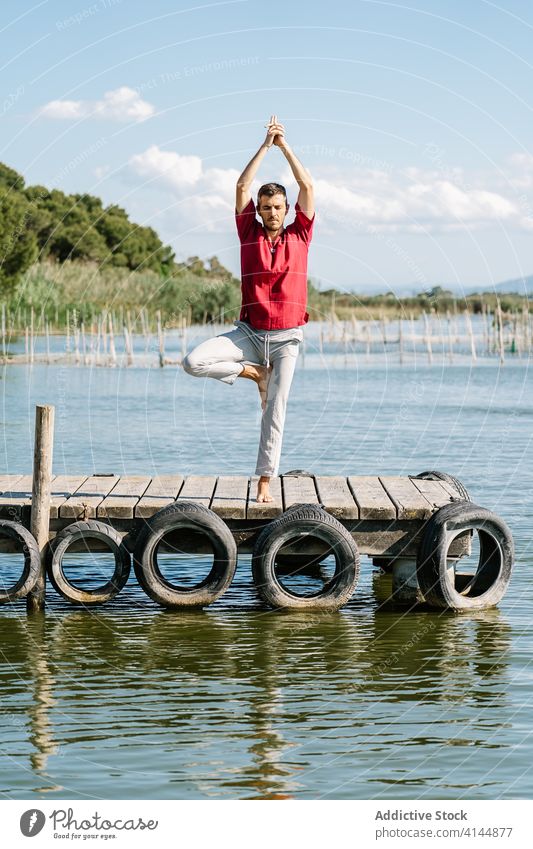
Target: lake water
237, 701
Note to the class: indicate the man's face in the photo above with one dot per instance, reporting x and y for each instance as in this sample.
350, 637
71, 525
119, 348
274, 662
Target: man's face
272, 211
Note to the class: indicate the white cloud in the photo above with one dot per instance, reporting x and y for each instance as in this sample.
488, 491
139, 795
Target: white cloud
210, 193
409, 200
178, 171
121, 104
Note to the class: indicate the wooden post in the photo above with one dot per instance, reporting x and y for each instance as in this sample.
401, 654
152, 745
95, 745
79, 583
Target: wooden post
127, 345
183, 338
67, 333
40, 497
500, 331
130, 338
428, 338
161, 336
83, 341
47, 330
112, 350
468, 323
32, 337
450, 336
4, 348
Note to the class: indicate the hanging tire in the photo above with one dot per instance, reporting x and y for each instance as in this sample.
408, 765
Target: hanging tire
442, 476
305, 520
185, 515
86, 530
483, 588
297, 562
32, 561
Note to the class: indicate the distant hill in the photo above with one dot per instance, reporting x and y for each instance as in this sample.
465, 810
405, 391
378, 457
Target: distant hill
520, 286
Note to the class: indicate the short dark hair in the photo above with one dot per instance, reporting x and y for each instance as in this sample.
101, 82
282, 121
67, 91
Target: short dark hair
271, 189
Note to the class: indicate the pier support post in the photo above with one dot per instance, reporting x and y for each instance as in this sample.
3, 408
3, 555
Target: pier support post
404, 581
40, 496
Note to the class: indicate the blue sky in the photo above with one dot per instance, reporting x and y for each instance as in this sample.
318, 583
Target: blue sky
415, 120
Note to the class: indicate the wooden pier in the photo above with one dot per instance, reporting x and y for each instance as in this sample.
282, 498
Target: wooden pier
420, 526
384, 514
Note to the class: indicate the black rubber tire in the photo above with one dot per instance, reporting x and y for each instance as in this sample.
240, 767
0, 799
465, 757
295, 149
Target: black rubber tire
191, 516
313, 520
293, 563
491, 579
32, 560
442, 476
88, 529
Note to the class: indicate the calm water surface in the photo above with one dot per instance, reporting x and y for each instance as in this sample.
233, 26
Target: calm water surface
131, 701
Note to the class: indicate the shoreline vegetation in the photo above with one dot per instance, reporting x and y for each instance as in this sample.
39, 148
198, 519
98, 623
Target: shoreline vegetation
70, 266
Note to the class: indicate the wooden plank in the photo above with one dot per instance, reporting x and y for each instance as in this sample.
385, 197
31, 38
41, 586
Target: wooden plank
336, 496
370, 495
435, 492
230, 497
298, 489
63, 486
410, 502
14, 499
7, 482
161, 491
121, 502
198, 488
264, 509
83, 504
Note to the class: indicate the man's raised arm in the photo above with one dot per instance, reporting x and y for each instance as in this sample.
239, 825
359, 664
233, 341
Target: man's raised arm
243, 193
306, 199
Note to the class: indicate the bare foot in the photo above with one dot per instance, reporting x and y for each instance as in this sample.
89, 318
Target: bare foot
263, 493
261, 376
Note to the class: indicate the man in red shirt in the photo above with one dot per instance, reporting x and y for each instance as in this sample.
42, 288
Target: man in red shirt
265, 345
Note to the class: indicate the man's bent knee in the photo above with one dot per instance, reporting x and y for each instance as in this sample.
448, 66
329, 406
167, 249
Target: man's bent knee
192, 365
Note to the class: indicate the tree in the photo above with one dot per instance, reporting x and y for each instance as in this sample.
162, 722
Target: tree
18, 245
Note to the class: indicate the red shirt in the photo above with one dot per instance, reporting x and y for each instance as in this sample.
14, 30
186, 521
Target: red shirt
274, 283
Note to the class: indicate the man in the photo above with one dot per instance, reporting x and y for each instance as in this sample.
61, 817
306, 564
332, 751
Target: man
265, 344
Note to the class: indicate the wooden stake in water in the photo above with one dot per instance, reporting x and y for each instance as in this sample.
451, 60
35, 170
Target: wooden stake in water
130, 337
183, 338
500, 330
40, 498
67, 340
4, 347
145, 330
47, 343
428, 337
32, 336
127, 345
450, 336
161, 337
112, 350
83, 342
468, 323
104, 332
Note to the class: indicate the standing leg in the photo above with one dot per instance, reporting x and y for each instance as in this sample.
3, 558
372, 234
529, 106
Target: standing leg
273, 420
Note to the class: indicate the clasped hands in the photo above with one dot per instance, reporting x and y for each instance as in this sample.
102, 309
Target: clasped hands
275, 133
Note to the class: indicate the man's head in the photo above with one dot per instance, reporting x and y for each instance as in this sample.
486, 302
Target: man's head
272, 206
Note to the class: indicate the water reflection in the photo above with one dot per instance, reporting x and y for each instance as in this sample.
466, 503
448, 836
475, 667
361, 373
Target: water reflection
247, 694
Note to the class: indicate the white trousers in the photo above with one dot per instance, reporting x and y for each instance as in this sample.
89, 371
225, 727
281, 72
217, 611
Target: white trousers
224, 357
